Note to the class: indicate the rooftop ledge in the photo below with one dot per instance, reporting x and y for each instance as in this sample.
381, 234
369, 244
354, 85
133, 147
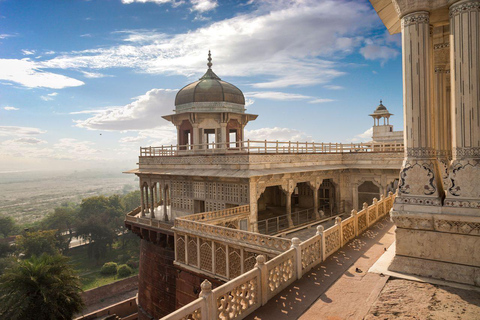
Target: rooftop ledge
269, 147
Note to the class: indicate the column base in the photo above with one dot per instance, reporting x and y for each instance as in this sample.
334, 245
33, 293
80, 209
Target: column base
438, 245
436, 269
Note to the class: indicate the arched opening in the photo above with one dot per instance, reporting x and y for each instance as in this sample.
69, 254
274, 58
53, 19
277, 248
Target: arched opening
326, 197
234, 134
272, 210
366, 192
185, 135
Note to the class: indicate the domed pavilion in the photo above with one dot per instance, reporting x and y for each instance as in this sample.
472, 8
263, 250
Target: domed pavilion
209, 113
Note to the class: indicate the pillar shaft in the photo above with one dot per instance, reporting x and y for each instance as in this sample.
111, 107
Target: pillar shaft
142, 199
152, 209
465, 81
165, 203
419, 182
288, 208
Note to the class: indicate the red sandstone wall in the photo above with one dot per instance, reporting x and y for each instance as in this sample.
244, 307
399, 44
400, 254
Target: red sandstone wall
157, 281
95, 295
188, 286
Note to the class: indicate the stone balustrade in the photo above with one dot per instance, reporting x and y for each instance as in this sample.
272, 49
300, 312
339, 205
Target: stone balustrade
219, 214
270, 147
242, 295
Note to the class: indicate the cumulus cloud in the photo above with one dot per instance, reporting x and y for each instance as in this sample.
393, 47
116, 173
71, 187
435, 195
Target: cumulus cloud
25, 140
203, 5
363, 137
144, 113
8, 108
383, 48
276, 133
294, 44
29, 74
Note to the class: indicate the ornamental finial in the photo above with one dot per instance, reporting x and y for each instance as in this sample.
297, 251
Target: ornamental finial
209, 64
380, 101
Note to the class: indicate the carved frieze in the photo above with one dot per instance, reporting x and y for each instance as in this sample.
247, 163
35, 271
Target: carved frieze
418, 178
462, 7
465, 179
415, 18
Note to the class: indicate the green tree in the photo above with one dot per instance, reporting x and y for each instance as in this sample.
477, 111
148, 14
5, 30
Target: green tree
38, 242
7, 226
40, 288
63, 220
131, 200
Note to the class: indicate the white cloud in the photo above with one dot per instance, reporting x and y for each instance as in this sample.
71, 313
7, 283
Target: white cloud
383, 48
294, 44
49, 96
276, 95
24, 140
50, 52
93, 75
6, 131
363, 137
144, 113
321, 100
8, 108
28, 52
173, 2
86, 35
29, 74
276, 133
5, 35
333, 87
376, 52
203, 5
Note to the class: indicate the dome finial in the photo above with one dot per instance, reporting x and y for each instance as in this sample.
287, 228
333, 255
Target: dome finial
380, 101
209, 64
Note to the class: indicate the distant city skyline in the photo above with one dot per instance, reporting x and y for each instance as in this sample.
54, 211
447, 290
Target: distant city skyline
83, 84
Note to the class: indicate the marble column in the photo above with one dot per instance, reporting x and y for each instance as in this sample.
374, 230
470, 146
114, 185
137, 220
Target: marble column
146, 198
165, 203
142, 199
464, 190
152, 208
419, 182
288, 207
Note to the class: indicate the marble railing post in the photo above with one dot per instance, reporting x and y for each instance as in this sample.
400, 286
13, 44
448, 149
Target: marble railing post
419, 184
464, 190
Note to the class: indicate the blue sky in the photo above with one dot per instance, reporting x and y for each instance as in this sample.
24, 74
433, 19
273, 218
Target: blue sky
83, 84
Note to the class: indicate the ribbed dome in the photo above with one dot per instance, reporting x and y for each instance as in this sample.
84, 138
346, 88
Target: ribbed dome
381, 108
209, 88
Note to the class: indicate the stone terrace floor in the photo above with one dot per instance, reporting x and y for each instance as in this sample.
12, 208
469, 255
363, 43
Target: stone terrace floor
338, 290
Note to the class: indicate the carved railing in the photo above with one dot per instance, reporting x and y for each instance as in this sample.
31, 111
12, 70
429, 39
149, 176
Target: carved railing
271, 147
239, 297
133, 216
212, 215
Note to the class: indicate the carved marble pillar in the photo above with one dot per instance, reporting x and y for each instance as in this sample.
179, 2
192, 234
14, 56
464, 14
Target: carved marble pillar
419, 183
165, 203
288, 207
147, 209
314, 186
152, 210
142, 199
196, 135
464, 175
223, 135
254, 194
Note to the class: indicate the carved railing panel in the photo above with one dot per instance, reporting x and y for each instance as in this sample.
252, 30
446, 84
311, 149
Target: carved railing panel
220, 259
281, 272
362, 221
311, 253
192, 251
348, 230
238, 298
332, 240
180, 249
206, 255
234, 262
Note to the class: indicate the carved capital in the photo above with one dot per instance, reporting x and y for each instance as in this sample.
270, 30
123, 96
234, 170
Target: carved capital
421, 17
464, 6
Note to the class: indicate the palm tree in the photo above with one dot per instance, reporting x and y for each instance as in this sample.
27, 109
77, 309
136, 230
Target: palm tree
44, 287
